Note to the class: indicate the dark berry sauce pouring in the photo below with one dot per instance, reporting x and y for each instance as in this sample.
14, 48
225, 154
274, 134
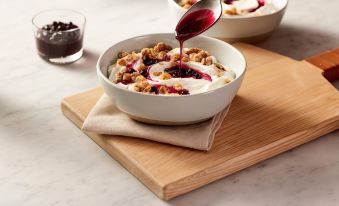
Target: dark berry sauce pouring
188, 27
59, 39
192, 25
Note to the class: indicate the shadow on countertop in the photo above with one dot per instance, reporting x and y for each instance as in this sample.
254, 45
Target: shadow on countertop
299, 42
87, 61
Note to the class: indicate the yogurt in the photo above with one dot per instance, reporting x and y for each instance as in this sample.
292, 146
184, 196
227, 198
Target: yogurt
192, 78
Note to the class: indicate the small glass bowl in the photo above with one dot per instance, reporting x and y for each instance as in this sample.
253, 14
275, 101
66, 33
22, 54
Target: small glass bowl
59, 47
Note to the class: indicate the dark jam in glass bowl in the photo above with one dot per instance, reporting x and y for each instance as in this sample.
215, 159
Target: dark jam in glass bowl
59, 39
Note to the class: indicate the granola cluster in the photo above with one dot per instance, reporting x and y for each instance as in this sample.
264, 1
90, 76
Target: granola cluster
231, 11
158, 52
128, 73
187, 3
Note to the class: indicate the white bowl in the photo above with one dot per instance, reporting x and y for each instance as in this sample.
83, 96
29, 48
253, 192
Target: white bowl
240, 28
173, 110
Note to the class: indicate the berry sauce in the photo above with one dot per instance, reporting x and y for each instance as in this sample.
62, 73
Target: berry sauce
261, 3
192, 25
148, 61
186, 72
130, 67
59, 40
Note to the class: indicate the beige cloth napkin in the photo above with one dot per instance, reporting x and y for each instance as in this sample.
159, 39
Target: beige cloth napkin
105, 118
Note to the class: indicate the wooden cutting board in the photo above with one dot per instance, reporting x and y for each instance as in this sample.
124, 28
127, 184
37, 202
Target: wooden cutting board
282, 103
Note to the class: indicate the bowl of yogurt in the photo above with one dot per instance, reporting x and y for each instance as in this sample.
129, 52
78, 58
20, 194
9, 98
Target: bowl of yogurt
242, 20
144, 78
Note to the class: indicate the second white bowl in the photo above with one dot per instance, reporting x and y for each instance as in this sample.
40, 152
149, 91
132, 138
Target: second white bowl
240, 28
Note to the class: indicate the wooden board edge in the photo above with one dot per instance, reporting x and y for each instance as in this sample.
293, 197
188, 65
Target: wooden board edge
70, 113
246, 160
116, 154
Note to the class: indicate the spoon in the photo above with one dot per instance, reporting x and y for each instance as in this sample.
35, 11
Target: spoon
200, 17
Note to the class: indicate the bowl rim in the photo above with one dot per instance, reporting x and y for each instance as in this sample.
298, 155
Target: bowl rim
237, 16
100, 73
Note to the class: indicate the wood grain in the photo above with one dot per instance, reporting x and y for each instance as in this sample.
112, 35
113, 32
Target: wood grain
282, 104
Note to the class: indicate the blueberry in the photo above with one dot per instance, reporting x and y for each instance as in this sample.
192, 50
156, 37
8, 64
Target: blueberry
149, 62
184, 92
130, 70
183, 72
190, 72
154, 89
144, 73
197, 75
59, 26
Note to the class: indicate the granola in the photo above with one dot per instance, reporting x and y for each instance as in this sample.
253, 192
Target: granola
156, 70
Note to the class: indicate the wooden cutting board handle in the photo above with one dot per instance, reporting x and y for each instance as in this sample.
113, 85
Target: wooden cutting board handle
328, 62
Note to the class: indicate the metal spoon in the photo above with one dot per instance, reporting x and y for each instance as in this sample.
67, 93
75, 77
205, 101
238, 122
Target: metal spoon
212, 5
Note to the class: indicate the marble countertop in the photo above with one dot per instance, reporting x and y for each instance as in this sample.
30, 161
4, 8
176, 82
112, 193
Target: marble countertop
46, 160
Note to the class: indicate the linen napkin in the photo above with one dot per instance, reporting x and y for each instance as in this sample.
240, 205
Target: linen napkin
105, 118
